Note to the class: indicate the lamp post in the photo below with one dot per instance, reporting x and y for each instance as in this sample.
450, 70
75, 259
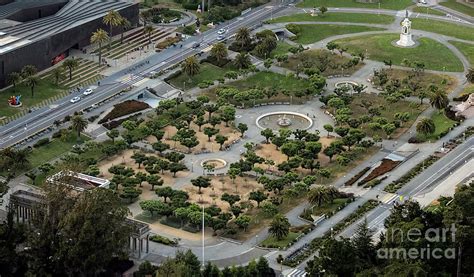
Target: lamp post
203, 263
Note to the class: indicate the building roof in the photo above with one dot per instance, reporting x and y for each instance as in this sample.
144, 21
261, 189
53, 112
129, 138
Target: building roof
73, 14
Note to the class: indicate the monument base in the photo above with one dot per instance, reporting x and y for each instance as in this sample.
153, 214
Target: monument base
405, 41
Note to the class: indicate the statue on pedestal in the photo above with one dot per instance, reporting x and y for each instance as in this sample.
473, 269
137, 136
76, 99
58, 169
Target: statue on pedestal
406, 39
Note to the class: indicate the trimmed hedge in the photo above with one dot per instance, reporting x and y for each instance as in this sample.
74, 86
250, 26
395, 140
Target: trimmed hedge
163, 240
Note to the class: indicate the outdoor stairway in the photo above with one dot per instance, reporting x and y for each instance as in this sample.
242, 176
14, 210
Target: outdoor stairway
86, 73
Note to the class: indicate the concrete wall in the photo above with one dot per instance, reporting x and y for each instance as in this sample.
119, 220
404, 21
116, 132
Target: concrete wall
41, 53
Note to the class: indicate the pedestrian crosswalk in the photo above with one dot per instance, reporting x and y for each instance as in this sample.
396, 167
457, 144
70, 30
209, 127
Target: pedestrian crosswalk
296, 273
133, 80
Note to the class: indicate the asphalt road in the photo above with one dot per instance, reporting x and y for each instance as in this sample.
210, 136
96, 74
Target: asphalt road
30, 124
427, 180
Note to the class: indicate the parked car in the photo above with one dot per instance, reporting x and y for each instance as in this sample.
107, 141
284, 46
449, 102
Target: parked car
75, 99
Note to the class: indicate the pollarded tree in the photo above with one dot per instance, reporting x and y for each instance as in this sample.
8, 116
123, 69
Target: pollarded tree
243, 221
79, 124
279, 227
242, 128
219, 51
176, 167
209, 132
230, 198
426, 126
268, 134
113, 134
100, 37
154, 180
191, 66
165, 192
257, 196
220, 139
211, 108
139, 158
160, 146
199, 121
329, 128
201, 182
190, 142
70, 64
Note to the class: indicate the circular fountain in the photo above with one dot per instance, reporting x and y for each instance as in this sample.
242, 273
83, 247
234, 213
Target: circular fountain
289, 120
217, 163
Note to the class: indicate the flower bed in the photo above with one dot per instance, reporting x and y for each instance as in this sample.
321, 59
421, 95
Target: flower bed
356, 177
124, 108
386, 166
396, 185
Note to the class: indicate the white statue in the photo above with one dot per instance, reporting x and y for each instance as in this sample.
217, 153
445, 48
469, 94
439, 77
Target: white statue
466, 104
406, 39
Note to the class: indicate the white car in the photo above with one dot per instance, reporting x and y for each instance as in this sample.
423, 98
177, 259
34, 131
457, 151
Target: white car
88, 91
222, 31
75, 99
220, 37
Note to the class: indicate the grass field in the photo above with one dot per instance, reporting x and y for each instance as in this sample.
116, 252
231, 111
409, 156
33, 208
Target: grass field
336, 17
427, 11
466, 49
272, 242
44, 90
54, 149
468, 90
208, 72
312, 33
270, 79
384, 4
380, 48
444, 28
282, 48
442, 124
453, 4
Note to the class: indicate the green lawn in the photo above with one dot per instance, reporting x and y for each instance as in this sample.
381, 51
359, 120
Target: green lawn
466, 49
442, 124
384, 4
54, 149
270, 79
311, 33
337, 17
427, 11
208, 72
282, 48
468, 90
453, 4
44, 90
272, 242
444, 28
380, 48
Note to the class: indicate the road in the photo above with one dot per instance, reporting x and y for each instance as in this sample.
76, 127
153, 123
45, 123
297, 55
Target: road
427, 180
32, 123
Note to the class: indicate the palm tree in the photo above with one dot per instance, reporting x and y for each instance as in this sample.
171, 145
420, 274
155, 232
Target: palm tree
112, 19
426, 126
32, 81
242, 60
28, 70
13, 79
57, 74
148, 31
243, 37
219, 51
319, 195
125, 23
100, 36
190, 66
279, 227
438, 99
79, 124
20, 157
70, 64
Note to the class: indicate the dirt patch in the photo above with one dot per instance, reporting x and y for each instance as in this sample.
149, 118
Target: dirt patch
385, 166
